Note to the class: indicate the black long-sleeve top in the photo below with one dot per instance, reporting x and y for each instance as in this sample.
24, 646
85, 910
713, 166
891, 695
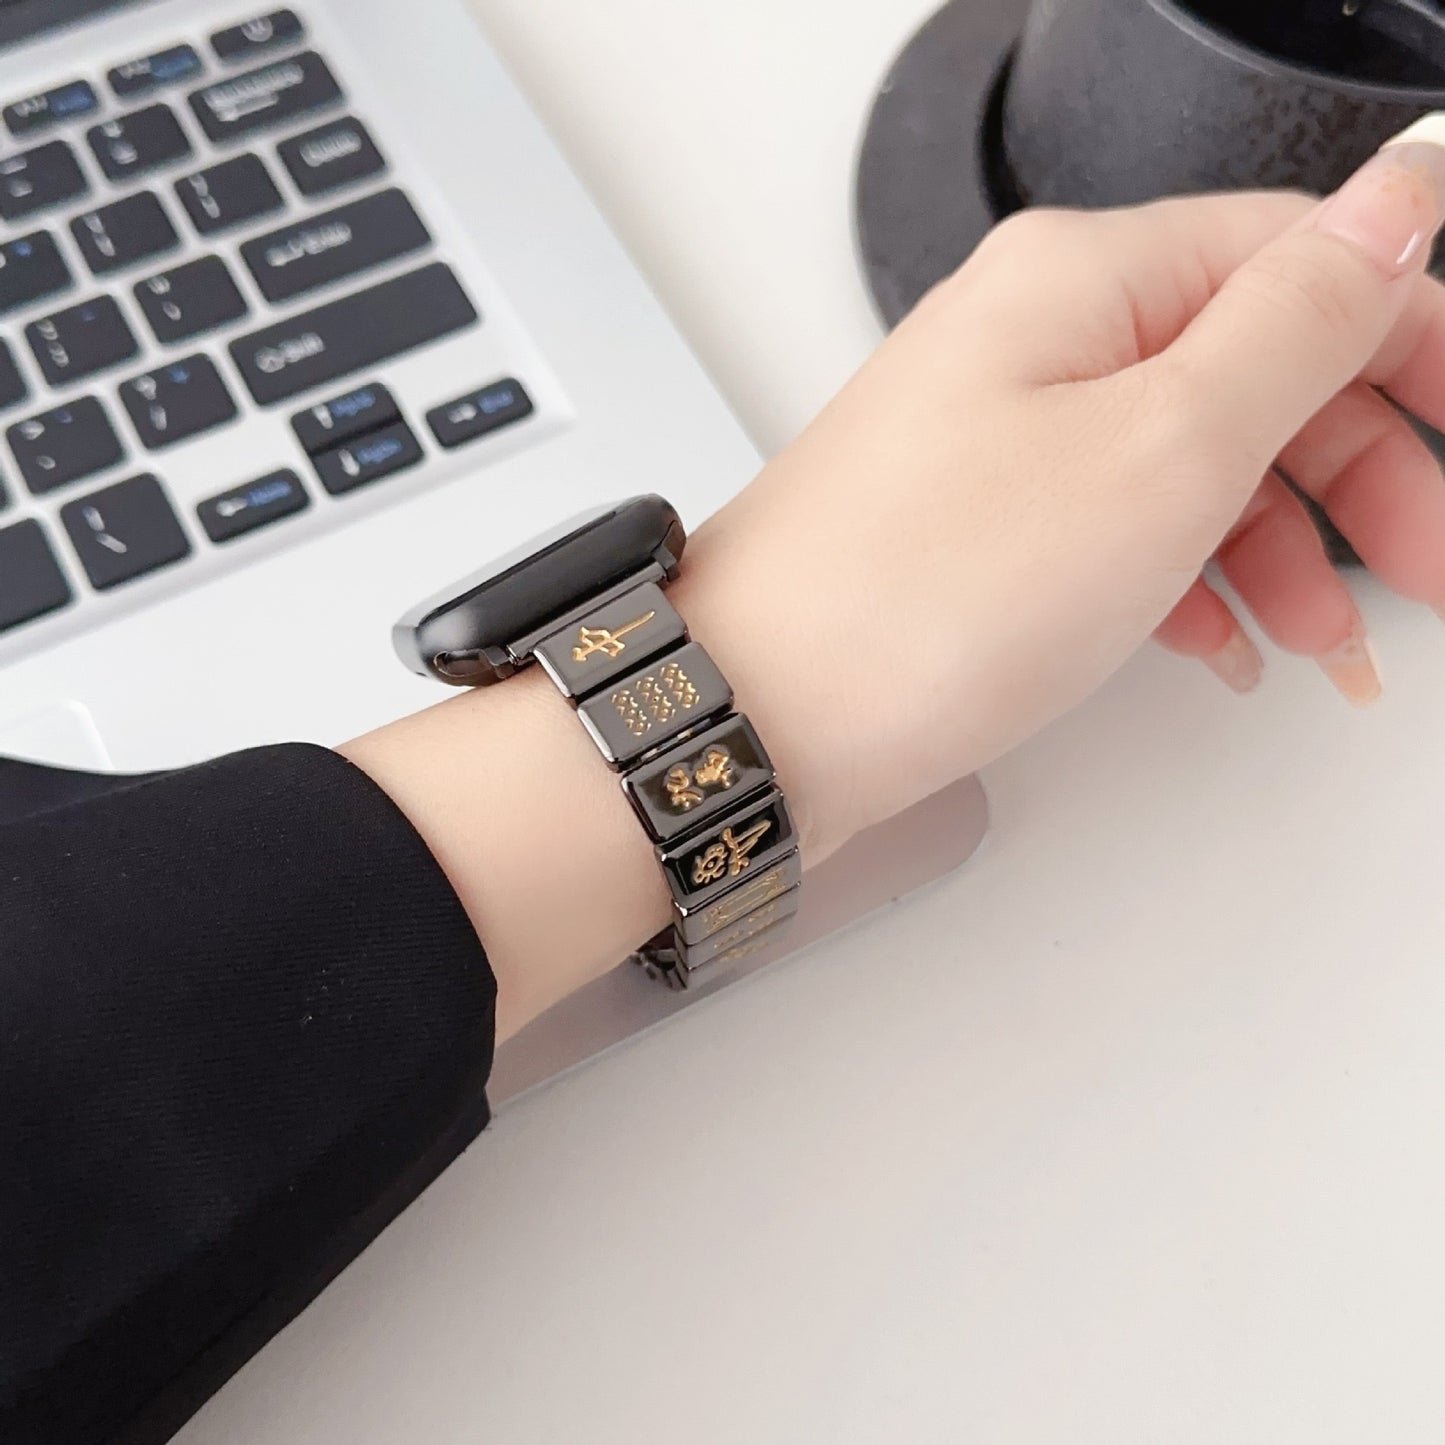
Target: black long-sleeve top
243, 1022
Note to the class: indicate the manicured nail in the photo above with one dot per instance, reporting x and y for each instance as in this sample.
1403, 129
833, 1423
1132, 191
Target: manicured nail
1394, 204
1238, 663
1353, 668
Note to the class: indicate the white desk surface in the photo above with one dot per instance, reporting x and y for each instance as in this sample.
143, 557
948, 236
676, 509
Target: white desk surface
1133, 1132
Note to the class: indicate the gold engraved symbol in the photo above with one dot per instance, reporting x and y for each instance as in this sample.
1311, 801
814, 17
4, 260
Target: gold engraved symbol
680, 789
711, 865
592, 640
655, 699
716, 769
685, 786
752, 935
731, 855
744, 949
751, 927
738, 905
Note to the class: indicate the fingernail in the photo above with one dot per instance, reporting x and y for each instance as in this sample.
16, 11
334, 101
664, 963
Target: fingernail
1353, 668
1394, 204
1238, 663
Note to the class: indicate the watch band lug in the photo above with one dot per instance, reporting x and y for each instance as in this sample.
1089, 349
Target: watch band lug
522, 649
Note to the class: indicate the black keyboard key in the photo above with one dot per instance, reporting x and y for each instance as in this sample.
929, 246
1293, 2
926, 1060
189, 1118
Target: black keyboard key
123, 233
352, 414
31, 582
334, 245
81, 340
64, 444
243, 509
31, 268
333, 340
141, 141
36, 179
265, 32
336, 154
151, 72
369, 458
189, 299
13, 389
176, 401
51, 107
269, 95
123, 531
229, 194
479, 412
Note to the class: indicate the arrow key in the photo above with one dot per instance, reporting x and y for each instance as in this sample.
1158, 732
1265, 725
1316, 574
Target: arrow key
378, 454
328, 424
243, 509
478, 412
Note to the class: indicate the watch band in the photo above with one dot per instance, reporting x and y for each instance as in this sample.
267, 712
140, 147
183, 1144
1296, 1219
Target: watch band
694, 770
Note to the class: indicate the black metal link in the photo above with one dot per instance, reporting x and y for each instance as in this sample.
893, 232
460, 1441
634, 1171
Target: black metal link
696, 773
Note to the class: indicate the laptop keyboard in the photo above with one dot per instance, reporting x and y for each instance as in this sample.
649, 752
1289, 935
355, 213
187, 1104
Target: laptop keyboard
246, 145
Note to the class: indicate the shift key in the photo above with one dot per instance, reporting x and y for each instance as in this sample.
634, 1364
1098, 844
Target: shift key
328, 342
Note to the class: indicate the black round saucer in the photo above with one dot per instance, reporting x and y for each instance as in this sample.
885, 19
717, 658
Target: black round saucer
927, 192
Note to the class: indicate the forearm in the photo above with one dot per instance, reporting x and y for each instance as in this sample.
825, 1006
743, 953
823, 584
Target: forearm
533, 832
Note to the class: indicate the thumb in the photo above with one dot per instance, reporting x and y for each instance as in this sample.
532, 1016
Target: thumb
1302, 317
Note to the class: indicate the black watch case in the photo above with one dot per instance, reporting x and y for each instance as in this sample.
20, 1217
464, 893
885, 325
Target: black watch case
466, 634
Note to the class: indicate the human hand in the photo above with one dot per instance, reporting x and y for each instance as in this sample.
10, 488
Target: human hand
1028, 477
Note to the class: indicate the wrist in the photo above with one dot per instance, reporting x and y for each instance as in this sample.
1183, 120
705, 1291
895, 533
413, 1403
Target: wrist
730, 600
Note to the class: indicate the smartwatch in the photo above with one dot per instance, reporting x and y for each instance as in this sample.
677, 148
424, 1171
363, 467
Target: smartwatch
586, 603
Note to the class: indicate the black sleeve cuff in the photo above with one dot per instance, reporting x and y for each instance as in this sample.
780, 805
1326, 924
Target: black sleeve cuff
244, 1021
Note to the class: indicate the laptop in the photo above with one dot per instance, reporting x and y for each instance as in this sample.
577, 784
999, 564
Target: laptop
301, 315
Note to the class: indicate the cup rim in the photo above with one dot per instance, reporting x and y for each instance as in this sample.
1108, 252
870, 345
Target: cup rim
1176, 12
